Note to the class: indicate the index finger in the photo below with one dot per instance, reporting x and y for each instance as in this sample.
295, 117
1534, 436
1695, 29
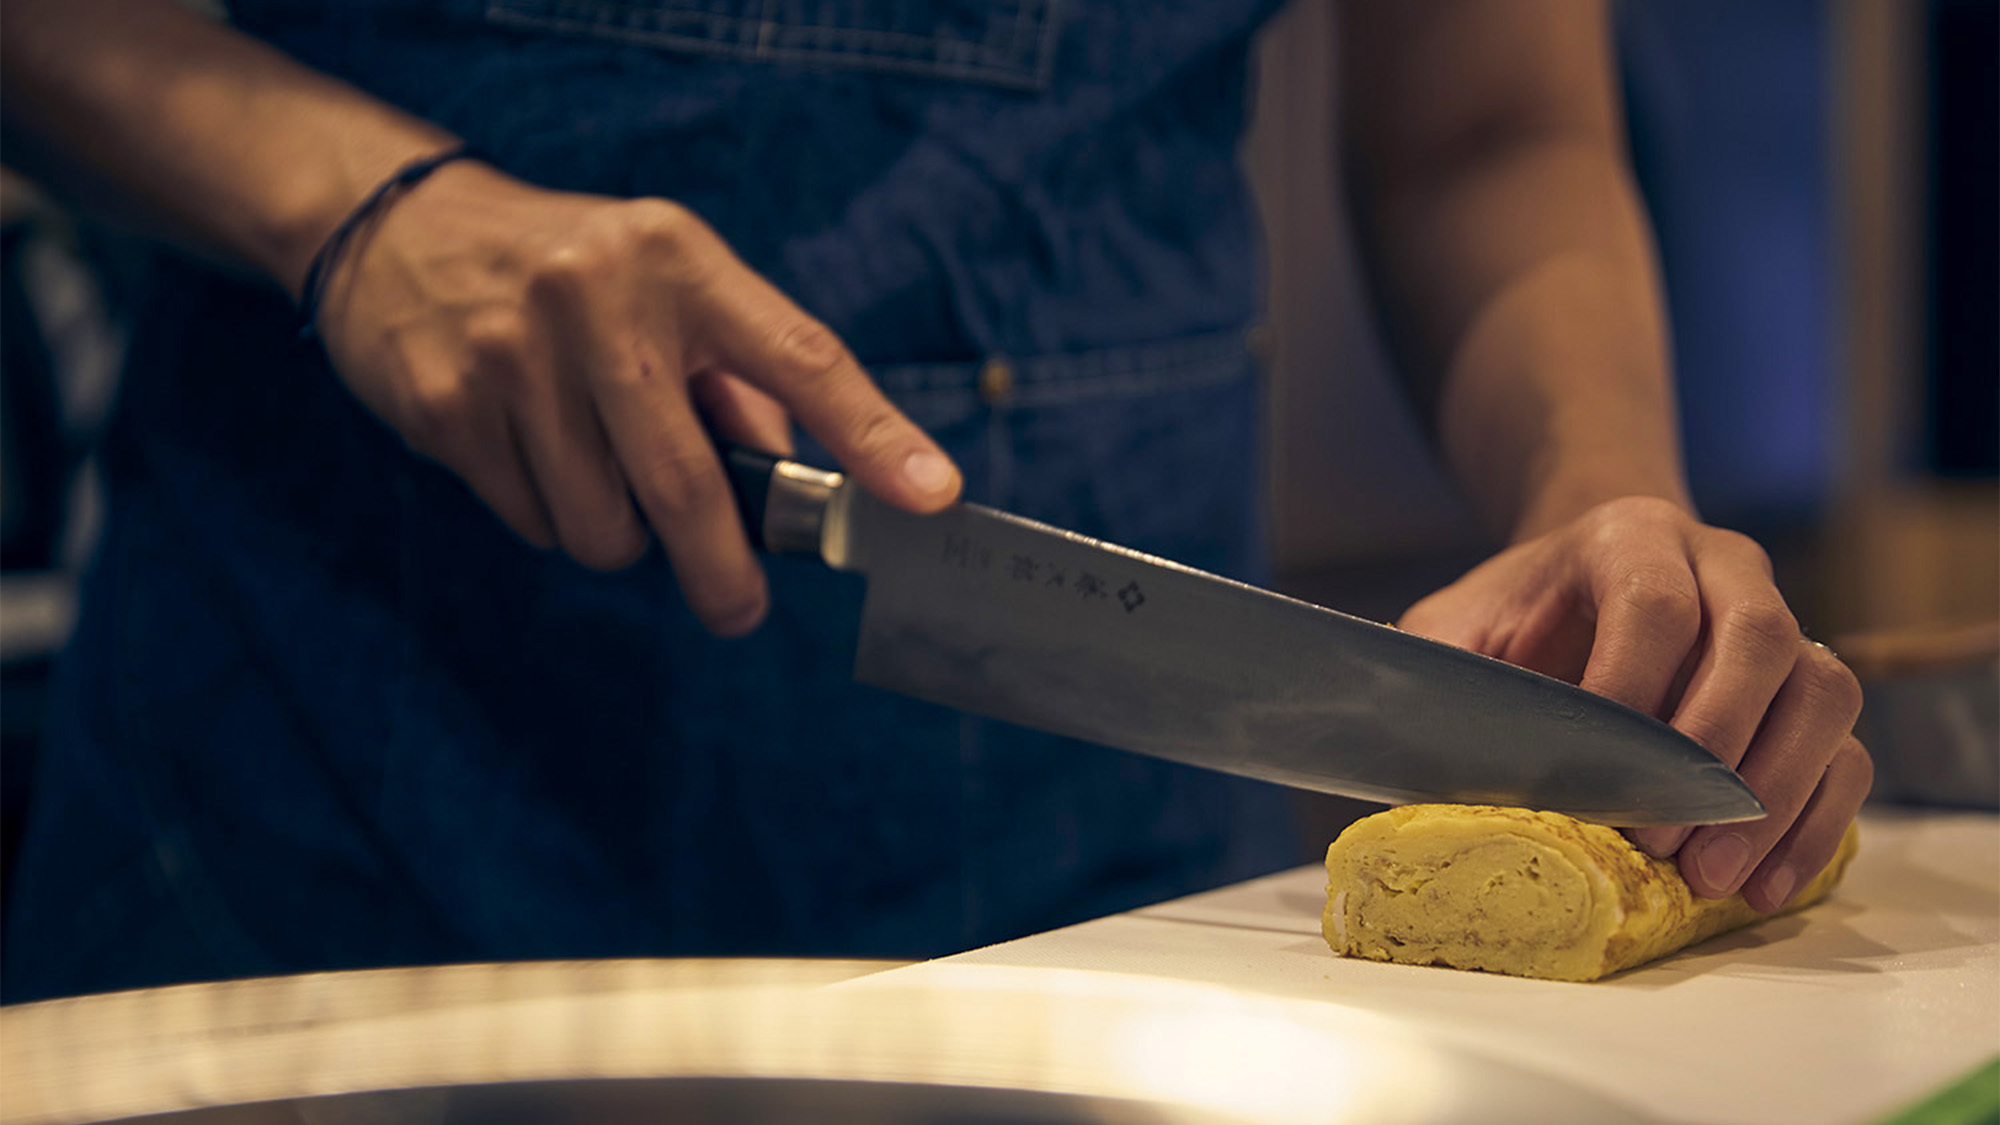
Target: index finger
767, 340
1648, 621
1752, 644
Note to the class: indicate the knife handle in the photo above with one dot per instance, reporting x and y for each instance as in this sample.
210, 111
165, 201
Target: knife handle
783, 503
750, 471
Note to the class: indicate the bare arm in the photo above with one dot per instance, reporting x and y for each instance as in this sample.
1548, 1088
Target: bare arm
1490, 176
556, 350
1519, 279
194, 131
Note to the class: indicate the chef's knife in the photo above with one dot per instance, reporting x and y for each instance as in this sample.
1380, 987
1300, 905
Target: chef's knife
1002, 616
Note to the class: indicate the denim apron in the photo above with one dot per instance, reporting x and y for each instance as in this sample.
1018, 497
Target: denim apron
323, 711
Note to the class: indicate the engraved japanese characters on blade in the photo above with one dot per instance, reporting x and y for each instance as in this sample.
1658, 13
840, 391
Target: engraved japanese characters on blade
1056, 578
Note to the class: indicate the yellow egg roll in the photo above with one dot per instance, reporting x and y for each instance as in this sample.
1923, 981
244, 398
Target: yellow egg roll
1531, 894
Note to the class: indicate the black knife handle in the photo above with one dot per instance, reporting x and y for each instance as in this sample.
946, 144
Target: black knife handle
750, 472
783, 503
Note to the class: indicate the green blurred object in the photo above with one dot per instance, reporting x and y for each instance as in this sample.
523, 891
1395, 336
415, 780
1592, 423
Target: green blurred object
1972, 1100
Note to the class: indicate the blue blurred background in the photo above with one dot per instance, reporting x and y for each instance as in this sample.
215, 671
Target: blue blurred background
1731, 141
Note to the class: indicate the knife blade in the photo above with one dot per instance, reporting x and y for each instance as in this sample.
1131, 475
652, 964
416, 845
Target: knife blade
1005, 617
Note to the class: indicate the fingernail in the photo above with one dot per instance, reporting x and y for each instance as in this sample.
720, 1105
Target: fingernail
929, 471
1722, 861
1779, 885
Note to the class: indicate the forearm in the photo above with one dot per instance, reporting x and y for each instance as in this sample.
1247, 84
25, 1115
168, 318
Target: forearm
193, 131
1517, 272
1534, 279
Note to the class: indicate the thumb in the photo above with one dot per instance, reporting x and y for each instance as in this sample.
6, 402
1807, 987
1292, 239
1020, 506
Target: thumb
1444, 617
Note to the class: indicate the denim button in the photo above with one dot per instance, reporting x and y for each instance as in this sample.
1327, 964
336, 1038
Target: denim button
996, 381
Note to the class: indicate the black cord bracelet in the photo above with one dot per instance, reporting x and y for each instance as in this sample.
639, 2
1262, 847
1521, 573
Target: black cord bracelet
388, 191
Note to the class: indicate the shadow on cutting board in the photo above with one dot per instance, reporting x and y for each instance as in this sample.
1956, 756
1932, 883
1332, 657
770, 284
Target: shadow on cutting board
1772, 948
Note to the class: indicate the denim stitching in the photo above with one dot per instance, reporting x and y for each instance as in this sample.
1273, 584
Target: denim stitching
1024, 61
934, 69
1062, 367
741, 30
1058, 380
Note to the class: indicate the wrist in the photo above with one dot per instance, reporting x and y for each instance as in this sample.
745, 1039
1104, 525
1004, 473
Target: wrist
306, 208
1567, 479
1562, 503
354, 226
1528, 472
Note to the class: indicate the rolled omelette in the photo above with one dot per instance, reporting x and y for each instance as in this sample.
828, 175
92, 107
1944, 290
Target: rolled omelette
1531, 894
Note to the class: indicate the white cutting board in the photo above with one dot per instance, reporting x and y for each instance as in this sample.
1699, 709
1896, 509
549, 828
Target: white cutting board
1844, 1013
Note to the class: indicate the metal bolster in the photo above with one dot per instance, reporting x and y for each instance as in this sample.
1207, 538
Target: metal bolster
795, 510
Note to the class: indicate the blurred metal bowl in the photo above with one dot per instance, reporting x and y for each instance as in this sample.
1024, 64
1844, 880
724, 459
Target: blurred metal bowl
1931, 719
737, 1041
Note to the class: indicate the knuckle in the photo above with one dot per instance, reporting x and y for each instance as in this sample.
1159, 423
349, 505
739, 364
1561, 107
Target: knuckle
680, 484
662, 224
876, 432
1745, 546
652, 213
1863, 765
1766, 628
676, 248
1852, 755
1660, 596
565, 271
497, 338
807, 347
1831, 684
1712, 732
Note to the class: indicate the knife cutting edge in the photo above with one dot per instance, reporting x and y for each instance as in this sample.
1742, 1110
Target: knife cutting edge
1001, 616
